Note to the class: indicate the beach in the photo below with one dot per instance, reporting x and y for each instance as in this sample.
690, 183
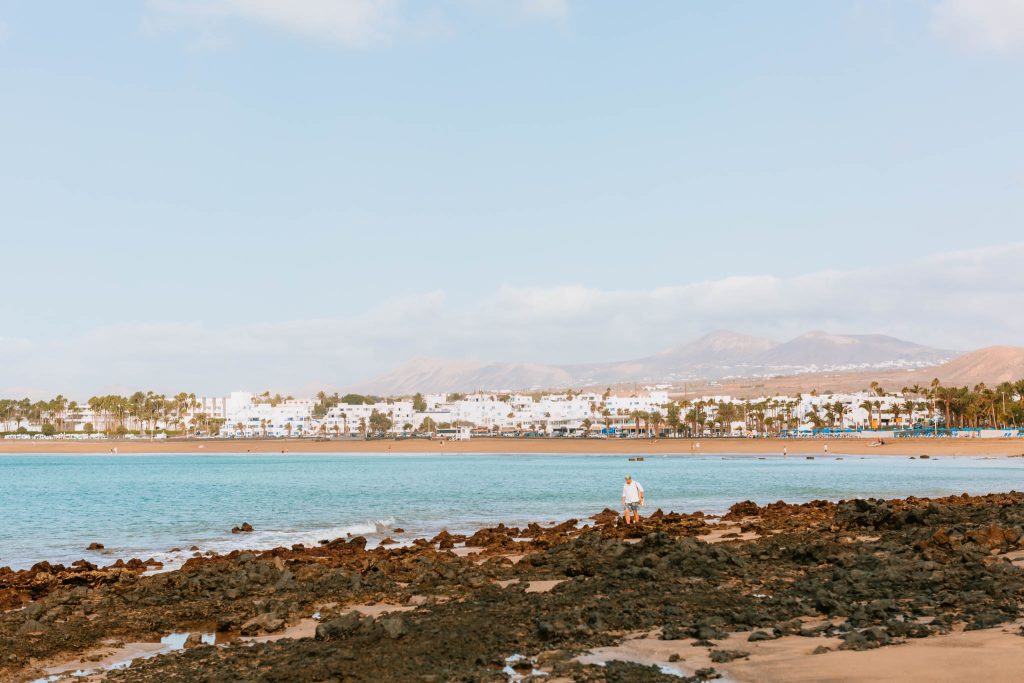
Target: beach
512, 446
906, 589
365, 566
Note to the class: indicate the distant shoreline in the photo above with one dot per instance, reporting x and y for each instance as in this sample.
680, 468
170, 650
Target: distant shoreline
533, 446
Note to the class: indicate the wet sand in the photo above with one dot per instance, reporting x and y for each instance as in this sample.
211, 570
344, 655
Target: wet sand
900, 447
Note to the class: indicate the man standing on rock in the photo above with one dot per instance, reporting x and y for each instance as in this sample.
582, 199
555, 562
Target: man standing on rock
632, 500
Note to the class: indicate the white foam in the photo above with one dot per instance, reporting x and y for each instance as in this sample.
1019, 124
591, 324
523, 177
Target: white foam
267, 539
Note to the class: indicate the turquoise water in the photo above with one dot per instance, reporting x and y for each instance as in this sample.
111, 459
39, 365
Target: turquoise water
52, 507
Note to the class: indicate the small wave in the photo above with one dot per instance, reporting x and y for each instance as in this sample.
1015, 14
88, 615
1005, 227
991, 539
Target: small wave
266, 539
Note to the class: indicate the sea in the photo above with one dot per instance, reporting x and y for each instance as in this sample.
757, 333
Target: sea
53, 506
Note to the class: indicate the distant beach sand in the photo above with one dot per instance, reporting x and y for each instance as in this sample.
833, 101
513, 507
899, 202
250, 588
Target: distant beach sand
899, 447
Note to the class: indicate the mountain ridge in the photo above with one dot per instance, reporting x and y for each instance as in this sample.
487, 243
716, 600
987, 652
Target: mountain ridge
715, 355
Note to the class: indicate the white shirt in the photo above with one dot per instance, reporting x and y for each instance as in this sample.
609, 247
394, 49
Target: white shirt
632, 491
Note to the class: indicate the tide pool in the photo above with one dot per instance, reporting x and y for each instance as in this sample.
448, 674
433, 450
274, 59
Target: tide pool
53, 506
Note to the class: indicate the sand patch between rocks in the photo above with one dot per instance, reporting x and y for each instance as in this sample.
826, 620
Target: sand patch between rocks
728, 532
532, 586
991, 655
378, 609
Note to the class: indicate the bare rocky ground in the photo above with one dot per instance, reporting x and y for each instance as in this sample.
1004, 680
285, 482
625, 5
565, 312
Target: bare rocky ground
863, 574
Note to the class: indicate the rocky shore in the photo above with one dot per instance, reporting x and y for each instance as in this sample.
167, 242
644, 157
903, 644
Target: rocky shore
680, 597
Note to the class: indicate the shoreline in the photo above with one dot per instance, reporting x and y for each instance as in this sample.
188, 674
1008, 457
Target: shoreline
538, 597
528, 446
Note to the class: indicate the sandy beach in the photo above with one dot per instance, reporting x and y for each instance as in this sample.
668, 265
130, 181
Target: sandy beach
900, 447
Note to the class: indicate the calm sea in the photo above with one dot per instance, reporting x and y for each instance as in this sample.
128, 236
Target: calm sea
52, 507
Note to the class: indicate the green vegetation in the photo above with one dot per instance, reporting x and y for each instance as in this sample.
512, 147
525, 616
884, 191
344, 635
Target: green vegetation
380, 422
360, 400
324, 403
140, 413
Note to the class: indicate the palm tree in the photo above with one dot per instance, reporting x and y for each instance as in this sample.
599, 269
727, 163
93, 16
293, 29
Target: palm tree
673, 418
868, 406
841, 410
636, 415
58, 406
654, 421
908, 410
946, 396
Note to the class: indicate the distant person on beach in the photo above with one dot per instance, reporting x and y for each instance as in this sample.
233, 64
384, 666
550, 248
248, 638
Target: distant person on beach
632, 500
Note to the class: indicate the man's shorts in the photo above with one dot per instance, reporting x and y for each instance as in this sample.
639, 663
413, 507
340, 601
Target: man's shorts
633, 507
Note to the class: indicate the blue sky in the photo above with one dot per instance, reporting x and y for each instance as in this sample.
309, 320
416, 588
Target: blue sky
229, 193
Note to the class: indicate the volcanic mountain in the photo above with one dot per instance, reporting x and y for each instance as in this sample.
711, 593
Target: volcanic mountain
719, 354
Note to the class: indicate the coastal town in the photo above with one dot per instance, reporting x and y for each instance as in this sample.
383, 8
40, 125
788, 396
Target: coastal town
648, 412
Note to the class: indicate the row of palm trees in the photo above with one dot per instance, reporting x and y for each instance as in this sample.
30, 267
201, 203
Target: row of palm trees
982, 406
691, 418
978, 407
139, 412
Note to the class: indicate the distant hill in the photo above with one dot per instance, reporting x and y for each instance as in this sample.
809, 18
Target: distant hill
436, 375
710, 355
824, 349
717, 355
990, 365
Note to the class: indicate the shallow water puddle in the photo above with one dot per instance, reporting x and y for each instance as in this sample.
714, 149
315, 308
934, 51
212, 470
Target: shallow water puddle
545, 586
599, 658
646, 650
304, 628
123, 656
513, 675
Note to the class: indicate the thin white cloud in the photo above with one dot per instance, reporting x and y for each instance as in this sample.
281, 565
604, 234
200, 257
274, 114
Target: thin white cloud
352, 23
957, 300
982, 25
557, 10
5, 32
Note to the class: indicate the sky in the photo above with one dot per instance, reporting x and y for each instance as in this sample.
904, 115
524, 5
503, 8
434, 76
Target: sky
214, 195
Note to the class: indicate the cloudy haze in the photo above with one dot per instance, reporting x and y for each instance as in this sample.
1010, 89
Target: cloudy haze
221, 194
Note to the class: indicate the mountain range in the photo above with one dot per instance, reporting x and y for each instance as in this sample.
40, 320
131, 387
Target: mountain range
717, 355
